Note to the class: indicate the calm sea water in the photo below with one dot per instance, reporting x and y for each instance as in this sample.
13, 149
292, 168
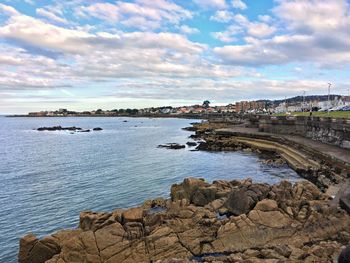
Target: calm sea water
47, 178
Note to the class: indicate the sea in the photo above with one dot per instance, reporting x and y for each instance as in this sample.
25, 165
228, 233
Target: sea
48, 177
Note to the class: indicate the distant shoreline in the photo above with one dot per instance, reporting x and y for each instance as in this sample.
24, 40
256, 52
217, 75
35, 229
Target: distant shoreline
180, 116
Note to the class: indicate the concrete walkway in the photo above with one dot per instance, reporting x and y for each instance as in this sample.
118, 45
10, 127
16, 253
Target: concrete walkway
333, 151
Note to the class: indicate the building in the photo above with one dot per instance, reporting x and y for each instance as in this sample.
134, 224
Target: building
250, 106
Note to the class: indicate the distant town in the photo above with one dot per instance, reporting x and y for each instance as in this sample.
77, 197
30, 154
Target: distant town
288, 105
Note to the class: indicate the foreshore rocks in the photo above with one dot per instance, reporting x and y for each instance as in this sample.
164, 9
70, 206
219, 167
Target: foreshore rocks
225, 221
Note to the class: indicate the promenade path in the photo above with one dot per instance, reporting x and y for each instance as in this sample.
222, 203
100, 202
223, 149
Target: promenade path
331, 150
341, 191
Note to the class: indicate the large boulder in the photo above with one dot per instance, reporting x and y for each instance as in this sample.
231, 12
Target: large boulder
244, 199
186, 189
195, 190
34, 250
266, 205
93, 221
135, 214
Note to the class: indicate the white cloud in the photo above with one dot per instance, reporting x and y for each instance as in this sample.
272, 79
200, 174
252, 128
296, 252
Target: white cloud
224, 37
155, 64
141, 14
48, 36
222, 16
315, 15
30, 2
188, 30
316, 32
255, 29
239, 4
219, 4
228, 35
265, 18
21, 70
243, 25
51, 16
8, 10
260, 30
101, 56
283, 50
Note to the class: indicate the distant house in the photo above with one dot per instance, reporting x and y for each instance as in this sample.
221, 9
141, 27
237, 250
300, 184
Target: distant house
38, 114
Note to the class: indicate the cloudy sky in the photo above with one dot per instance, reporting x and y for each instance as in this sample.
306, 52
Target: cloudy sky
88, 54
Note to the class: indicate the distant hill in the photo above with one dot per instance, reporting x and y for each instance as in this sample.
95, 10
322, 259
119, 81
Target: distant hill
299, 99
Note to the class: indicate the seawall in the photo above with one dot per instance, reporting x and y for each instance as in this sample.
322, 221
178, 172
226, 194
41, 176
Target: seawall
327, 130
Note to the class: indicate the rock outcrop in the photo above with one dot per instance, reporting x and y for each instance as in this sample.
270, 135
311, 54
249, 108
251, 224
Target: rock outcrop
72, 129
59, 128
226, 221
174, 146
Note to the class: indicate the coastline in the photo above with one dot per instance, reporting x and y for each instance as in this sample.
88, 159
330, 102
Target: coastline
220, 221
182, 116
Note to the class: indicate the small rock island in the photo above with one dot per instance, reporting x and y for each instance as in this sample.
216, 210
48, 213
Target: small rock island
72, 129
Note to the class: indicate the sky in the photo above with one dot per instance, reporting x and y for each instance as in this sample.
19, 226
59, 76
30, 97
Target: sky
89, 54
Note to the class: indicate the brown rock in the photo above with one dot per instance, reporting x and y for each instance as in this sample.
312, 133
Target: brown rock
109, 235
203, 195
239, 202
273, 219
133, 215
266, 205
283, 223
26, 244
93, 221
33, 250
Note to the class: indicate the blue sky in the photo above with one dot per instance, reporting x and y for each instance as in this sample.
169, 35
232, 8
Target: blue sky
93, 54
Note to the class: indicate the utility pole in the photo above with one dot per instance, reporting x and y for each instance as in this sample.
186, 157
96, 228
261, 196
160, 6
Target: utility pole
329, 92
285, 103
303, 106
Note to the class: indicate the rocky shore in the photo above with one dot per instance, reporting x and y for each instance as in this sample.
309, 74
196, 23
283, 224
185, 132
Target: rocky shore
222, 221
226, 221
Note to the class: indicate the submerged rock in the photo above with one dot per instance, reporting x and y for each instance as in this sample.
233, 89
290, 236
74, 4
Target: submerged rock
172, 146
59, 128
191, 144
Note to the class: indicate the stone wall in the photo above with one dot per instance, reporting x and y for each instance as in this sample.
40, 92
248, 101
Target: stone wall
327, 130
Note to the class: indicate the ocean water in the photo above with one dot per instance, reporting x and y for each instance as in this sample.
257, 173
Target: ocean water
47, 178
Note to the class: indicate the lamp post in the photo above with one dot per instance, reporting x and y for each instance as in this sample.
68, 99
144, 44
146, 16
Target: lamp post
329, 91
